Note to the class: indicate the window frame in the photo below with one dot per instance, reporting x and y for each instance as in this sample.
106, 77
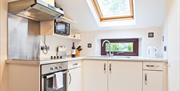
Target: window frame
135, 46
100, 15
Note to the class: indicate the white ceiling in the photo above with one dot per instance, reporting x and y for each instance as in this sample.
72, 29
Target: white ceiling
148, 13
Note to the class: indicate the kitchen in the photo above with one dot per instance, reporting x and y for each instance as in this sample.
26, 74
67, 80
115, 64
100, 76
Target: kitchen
93, 52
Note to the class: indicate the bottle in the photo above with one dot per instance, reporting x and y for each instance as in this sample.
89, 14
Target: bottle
73, 54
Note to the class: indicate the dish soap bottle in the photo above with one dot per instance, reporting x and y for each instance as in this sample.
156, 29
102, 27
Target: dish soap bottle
73, 54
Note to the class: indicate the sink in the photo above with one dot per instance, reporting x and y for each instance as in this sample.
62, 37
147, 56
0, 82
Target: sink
109, 57
121, 57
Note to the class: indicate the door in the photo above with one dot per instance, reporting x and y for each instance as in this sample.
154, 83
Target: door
153, 81
74, 80
48, 82
94, 75
125, 76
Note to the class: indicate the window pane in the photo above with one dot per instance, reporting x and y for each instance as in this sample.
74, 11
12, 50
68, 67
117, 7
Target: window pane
113, 8
120, 47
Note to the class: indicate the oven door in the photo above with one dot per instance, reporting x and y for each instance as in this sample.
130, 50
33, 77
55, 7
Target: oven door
48, 82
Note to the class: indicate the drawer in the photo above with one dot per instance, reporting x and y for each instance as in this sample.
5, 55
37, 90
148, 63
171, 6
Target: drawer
74, 64
153, 66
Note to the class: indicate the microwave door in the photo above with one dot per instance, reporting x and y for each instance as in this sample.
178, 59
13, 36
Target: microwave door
62, 28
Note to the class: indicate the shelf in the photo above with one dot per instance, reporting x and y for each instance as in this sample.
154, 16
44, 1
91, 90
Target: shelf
65, 19
68, 37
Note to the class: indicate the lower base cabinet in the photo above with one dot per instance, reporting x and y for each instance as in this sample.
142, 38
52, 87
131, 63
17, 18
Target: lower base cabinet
154, 76
112, 76
153, 81
74, 80
94, 75
125, 76
101, 75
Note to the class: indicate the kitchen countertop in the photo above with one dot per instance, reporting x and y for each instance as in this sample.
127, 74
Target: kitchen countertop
95, 58
41, 62
126, 58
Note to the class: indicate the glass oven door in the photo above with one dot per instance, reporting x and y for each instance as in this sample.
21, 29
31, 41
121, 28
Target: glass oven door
48, 82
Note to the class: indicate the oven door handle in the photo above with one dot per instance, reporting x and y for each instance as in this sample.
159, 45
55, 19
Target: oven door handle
52, 75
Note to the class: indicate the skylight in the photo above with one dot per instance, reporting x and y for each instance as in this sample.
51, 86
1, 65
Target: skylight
114, 9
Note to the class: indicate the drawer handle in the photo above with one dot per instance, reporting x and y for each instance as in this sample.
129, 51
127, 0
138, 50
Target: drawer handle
75, 64
152, 66
149, 65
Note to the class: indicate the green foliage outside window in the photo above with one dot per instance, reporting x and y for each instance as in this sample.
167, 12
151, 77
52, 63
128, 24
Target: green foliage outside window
120, 47
114, 7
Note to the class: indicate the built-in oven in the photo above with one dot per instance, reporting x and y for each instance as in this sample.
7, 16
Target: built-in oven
48, 76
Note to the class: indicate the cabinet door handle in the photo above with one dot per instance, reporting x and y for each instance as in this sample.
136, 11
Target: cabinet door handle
70, 78
150, 65
104, 67
110, 67
146, 79
75, 64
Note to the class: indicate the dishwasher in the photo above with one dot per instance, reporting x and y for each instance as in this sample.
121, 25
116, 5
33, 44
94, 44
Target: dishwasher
74, 76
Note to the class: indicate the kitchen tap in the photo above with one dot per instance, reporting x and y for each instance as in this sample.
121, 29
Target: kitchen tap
109, 46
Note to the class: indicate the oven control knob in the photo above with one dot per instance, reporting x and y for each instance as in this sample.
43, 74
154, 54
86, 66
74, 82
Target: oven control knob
51, 68
60, 67
56, 67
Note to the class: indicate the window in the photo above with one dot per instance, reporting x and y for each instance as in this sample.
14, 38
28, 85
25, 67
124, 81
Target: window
121, 47
114, 9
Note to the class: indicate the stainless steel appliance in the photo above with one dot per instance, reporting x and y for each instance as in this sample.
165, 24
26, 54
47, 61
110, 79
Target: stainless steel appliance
48, 74
38, 10
62, 28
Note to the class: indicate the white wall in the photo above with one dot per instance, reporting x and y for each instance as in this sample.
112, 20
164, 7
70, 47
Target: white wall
95, 36
53, 42
172, 37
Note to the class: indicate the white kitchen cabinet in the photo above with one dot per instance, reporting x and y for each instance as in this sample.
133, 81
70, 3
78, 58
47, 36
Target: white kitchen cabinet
125, 76
74, 80
94, 75
112, 76
154, 76
153, 81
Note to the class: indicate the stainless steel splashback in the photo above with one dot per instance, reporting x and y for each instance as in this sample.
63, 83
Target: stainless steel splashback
23, 43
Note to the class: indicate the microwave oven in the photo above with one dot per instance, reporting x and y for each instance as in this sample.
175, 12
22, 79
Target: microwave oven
62, 28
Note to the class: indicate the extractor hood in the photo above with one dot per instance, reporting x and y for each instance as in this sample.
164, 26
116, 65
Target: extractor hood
37, 10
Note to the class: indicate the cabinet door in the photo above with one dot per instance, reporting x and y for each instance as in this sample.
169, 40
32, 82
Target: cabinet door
94, 75
153, 81
47, 27
125, 76
74, 80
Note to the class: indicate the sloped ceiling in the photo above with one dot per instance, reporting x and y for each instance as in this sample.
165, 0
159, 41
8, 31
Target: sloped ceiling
148, 13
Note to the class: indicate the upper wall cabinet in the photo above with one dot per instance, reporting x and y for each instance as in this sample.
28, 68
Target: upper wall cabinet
47, 27
41, 28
